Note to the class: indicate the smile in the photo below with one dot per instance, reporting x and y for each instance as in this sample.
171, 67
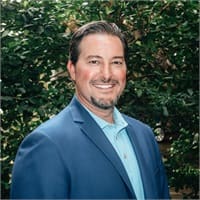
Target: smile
103, 86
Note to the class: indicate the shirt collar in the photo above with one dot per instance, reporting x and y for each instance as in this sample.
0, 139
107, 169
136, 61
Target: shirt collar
119, 122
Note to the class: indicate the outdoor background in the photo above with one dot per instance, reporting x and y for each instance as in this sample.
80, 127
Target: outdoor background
163, 75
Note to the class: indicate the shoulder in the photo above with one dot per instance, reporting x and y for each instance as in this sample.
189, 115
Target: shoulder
136, 123
48, 139
51, 130
140, 130
57, 121
143, 134
61, 128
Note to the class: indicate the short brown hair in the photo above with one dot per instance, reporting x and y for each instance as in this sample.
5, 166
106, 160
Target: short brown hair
93, 28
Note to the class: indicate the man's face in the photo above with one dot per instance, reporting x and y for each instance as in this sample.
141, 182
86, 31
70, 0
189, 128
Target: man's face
100, 72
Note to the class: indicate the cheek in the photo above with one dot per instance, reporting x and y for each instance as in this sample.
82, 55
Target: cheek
83, 75
122, 77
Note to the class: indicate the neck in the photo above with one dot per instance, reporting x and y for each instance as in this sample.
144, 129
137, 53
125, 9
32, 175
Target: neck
105, 114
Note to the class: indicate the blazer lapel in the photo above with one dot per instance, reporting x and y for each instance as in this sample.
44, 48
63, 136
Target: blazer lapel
148, 187
96, 135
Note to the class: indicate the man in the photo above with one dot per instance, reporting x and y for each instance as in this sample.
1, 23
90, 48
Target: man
90, 150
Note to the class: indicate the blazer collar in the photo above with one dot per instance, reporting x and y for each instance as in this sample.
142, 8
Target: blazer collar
148, 185
95, 134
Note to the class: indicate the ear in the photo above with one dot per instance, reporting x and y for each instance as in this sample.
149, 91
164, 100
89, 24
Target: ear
71, 70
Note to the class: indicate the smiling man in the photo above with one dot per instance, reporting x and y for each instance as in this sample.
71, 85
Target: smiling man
99, 73
90, 150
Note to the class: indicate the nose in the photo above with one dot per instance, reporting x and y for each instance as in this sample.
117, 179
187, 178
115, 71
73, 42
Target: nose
106, 72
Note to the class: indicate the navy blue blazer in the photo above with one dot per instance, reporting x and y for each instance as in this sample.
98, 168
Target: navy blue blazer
69, 157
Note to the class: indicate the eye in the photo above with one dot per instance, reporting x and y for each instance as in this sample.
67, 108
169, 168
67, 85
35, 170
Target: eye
117, 62
94, 62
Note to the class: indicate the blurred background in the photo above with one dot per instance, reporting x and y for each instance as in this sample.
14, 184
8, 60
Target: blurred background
162, 80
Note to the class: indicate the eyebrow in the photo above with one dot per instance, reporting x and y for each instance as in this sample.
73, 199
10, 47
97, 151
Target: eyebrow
94, 56
99, 57
118, 57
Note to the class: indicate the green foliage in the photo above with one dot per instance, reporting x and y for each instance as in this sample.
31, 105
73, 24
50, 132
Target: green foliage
183, 152
162, 71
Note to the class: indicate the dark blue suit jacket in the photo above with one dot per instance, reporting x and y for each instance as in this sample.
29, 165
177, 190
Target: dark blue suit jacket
69, 157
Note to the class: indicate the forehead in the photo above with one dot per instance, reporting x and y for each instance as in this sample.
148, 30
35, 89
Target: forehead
101, 43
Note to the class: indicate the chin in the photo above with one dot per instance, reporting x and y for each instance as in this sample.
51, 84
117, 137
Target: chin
103, 103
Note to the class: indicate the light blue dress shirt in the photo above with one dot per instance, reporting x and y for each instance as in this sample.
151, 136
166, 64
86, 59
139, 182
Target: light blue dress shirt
117, 135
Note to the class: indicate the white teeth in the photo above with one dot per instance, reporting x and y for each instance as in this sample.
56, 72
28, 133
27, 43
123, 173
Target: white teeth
104, 86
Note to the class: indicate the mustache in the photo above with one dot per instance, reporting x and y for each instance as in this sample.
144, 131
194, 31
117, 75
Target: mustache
103, 80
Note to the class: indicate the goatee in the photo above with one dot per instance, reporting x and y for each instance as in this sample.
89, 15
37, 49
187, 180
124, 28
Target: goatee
105, 105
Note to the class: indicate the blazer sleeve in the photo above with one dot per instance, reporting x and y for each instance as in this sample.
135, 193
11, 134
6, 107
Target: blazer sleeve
39, 171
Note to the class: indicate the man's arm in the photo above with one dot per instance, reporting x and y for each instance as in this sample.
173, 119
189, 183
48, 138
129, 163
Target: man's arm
39, 171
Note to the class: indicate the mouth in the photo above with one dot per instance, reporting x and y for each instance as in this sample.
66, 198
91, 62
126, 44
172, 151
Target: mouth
103, 86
